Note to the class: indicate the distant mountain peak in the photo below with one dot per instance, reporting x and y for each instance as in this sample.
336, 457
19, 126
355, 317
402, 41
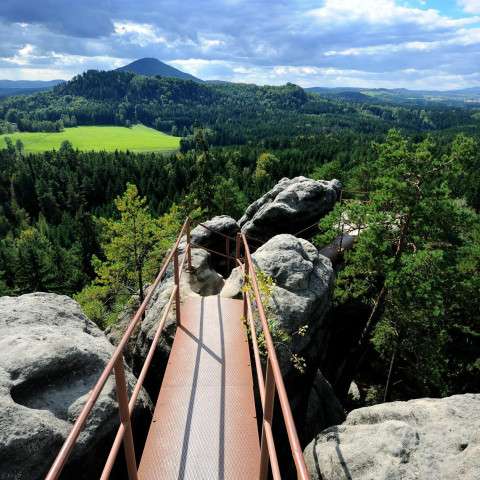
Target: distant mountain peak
24, 87
152, 66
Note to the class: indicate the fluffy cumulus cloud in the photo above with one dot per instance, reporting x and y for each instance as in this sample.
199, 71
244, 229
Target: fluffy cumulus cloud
470, 6
391, 43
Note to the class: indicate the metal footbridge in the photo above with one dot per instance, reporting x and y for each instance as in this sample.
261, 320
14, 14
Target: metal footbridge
205, 424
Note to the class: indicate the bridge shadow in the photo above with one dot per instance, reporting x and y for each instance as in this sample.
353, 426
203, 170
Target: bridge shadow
193, 392
343, 464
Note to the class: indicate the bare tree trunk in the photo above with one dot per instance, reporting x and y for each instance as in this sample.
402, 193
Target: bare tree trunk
355, 358
389, 377
140, 284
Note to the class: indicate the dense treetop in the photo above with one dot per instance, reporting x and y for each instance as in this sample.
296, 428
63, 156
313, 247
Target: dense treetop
235, 113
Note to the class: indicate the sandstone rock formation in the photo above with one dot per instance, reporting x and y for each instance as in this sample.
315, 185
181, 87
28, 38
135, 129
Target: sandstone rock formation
51, 356
290, 206
300, 298
221, 223
212, 238
301, 295
415, 440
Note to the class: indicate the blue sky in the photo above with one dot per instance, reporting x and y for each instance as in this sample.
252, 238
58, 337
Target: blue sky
433, 44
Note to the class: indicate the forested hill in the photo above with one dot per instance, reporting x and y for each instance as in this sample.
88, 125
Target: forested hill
234, 113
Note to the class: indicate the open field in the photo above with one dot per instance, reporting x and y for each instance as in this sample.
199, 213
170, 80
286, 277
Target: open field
137, 139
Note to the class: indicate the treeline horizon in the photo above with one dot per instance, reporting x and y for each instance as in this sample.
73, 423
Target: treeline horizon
235, 113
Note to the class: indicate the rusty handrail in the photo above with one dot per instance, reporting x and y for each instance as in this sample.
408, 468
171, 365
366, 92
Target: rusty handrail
271, 385
114, 362
213, 230
203, 247
224, 235
131, 405
273, 381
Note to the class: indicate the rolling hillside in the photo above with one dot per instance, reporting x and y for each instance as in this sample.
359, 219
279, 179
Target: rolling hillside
469, 96
233, 113
24, 87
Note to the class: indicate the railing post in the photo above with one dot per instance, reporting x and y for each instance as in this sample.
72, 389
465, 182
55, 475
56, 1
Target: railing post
237, 246
267, 417
176, 274
122, 397
245, 293
342, 222
188, 249
227, 251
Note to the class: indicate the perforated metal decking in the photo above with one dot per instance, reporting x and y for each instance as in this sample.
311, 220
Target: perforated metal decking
204, 425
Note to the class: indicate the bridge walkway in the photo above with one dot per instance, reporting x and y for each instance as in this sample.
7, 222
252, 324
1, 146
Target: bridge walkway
204, 425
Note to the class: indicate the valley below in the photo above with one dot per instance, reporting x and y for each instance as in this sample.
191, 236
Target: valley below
137, 138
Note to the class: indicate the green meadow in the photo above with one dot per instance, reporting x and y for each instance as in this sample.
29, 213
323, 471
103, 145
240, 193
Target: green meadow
138, 138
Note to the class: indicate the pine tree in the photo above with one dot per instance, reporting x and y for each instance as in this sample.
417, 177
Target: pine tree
127, 244
202, 186
228, 199
34, 262
134, 247
404, 261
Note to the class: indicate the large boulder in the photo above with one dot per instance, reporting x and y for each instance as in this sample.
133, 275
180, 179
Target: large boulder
419, 439
51, 356
209, 237
213, 234
303, 283
300, 298
289, 207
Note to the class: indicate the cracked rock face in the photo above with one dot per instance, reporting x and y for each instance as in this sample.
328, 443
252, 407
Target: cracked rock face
415, 440
221, 223
290, 206
51, 356
301, 295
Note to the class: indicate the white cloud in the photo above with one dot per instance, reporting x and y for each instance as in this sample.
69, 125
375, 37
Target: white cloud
463, 37
23, 56
141, 34
470, 6
381, 12
82, 61
333, 77
210, 43
193, 63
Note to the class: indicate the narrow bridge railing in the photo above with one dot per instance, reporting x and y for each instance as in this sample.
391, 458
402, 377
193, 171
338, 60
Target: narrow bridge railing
125, 406
269, 386
272, 382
